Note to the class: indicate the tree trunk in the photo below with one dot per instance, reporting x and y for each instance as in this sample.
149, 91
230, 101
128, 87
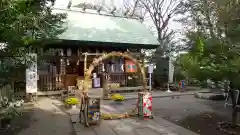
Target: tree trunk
234, 117
234, 106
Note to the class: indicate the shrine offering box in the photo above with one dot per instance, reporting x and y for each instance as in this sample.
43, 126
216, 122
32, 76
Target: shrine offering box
93, 110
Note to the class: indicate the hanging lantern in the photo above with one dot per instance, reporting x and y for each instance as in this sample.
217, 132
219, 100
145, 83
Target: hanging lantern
68, 63
103, 68
130, 66
69, 52
61, 52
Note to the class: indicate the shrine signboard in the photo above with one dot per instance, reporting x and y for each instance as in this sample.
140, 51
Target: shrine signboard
31, 74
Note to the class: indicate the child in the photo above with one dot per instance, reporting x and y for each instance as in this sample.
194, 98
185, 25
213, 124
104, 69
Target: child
181, 85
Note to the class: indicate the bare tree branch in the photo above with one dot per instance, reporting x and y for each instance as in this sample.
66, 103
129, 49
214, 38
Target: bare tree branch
160, 12
134, 8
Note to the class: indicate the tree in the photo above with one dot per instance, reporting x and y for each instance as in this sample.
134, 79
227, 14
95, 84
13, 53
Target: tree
24, 24
221, 46
213, 42
160, 12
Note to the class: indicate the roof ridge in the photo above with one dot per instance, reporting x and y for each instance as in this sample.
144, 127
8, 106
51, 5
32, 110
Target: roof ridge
80, 10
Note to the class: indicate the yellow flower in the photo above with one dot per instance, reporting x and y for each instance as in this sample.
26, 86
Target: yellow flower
117, 97
71, 101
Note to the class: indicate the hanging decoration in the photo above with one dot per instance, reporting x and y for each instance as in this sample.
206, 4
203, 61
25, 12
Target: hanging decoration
69, 52
89, 112
130, 66
68, 62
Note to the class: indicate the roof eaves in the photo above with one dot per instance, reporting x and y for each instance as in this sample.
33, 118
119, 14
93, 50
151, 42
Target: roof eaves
90, 11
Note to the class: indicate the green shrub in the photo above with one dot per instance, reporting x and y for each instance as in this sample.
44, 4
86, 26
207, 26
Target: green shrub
11, 113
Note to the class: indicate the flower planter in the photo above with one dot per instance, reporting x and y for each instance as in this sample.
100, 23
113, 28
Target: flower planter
117, 97
5, 123
71, 102
73, 106
118, 102
70, 106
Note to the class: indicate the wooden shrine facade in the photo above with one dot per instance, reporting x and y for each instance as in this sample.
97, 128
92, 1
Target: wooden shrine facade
60, 67
62, 63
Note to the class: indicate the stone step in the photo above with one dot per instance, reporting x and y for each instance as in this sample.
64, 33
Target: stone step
210, 96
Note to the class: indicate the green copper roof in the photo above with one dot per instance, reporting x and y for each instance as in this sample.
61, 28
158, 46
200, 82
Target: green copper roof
101, 28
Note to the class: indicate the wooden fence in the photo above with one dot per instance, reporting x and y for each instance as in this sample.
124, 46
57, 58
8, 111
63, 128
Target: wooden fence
59, 82
51, 82
11, 92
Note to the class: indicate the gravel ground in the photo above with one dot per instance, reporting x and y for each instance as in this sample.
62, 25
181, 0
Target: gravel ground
198, 115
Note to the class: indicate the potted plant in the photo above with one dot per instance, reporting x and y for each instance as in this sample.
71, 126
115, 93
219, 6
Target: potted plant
118, 98
4, 103
9, 114
71, 102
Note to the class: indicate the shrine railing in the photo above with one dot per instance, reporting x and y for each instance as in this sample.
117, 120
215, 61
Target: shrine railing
125, 79
50, 82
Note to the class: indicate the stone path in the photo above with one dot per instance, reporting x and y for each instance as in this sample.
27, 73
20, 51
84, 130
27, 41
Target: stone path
133, 126
48, 120
51, 120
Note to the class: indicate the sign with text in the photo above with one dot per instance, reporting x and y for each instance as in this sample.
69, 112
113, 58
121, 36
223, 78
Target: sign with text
150, 69
96, 82
31, 74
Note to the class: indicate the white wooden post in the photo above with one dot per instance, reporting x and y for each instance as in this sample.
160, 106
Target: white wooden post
150, 71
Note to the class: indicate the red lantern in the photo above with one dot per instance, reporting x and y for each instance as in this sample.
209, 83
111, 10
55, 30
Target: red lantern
130, 66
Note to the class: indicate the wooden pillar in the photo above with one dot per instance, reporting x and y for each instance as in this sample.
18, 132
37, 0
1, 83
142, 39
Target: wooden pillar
85, 62
105, 92
234, 116
143, 66
143, 63
105, 82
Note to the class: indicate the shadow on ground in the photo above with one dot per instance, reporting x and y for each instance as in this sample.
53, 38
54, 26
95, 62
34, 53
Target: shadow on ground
19, 124
198, 115
38, 121
208, 123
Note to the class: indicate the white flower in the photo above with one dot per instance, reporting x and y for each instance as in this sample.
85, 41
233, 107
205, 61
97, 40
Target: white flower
18, 103
22, 101
11, 104
3, 46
